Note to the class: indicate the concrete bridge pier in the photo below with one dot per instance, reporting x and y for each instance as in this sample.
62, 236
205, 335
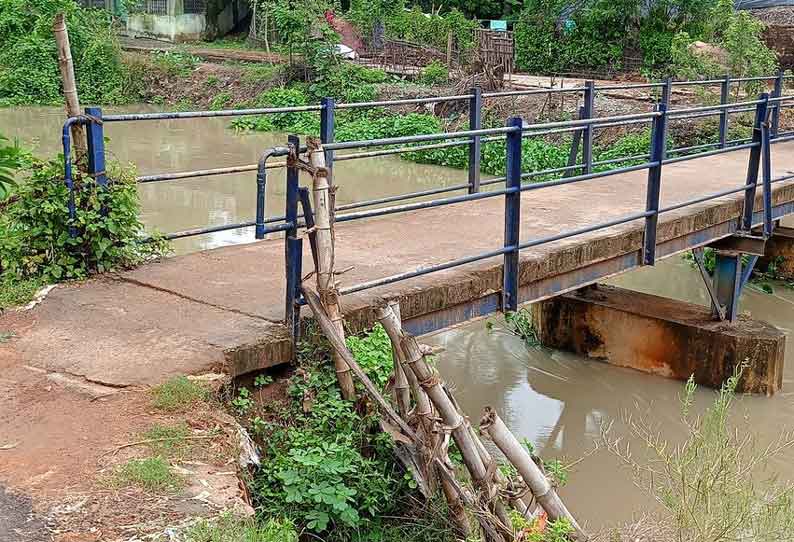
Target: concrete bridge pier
662, 336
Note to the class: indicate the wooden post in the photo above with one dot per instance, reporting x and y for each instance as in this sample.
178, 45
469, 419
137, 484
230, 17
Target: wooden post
402, 393
326, 285
69, 85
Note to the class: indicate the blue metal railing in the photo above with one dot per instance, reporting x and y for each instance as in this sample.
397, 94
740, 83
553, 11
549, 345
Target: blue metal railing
581, 129
514, 133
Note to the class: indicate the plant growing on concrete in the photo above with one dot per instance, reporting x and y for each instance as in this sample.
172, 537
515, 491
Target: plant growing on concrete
713, 486
152, 474
231, 528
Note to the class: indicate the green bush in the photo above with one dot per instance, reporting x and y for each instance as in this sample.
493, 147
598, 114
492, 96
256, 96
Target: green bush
35, 224
434, 73
29, 61
326, 466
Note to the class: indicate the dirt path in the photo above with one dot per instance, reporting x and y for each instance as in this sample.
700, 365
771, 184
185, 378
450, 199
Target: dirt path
215, 54
60, 440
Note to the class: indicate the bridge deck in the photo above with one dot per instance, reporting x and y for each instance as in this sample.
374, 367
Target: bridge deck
222, 308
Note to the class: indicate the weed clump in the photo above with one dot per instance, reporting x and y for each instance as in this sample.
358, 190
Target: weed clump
230, 528
178, 394
152, 474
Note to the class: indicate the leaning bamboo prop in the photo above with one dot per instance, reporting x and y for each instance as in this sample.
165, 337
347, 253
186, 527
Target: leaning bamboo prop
532, 475
402, 392
66, 66
326, 285
406, 432
455, 423
434, 444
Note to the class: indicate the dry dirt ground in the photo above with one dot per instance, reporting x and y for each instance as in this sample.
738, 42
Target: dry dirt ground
62, 439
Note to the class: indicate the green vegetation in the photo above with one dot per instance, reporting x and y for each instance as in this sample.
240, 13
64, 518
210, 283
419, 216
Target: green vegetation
168, 440
14, 293
520, 324
29, 61
327, 466
152, 474
35, 240
178, 394
6, 336
434, 73
230, 528
12, 157
553, 36
718, 468
175, 63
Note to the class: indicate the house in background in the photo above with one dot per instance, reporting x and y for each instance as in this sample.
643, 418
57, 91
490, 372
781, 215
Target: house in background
176, 20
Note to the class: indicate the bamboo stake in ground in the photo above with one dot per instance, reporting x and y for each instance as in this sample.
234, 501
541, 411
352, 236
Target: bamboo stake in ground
69, 85
326, 285
532, 475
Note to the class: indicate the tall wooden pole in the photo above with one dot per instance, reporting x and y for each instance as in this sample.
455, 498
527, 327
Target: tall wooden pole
69, 85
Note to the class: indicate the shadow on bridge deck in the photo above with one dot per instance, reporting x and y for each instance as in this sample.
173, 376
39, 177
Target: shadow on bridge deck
222, 309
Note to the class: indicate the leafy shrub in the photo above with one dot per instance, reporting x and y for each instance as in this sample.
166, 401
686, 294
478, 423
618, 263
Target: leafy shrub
222, 100
326, 466
175, 63
29, 61
12, 158
35, 226
434, 73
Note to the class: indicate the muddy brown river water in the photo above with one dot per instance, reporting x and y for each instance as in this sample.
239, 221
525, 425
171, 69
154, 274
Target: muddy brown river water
556, 400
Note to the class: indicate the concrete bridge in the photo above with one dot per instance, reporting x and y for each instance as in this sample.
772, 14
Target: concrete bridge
455, 258
223, 309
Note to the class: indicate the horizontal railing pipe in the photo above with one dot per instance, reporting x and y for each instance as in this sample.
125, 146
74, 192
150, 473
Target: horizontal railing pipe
404, 101
582, 231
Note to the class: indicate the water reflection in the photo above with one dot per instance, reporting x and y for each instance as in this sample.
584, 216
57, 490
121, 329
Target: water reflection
559, 401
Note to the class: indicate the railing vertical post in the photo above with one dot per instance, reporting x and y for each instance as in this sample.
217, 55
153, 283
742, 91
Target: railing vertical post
293, 245
475, 123
512, 216
777, 92
587, 135
658, 153
327, 122
725, 95
754, 162
261, 190
573, 156
96, 146
667, 92
766, 172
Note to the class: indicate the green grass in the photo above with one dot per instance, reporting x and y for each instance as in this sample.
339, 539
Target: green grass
14, 293
151, 474
254, 73
178, 394
168, 440
230, 528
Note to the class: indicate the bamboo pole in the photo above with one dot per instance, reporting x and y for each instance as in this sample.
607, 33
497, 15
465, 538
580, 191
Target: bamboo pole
338, 343
389, 317
531, 474
431, 383
402, 393
66, 66
326, 285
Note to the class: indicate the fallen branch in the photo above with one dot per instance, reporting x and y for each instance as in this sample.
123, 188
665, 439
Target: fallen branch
153, 440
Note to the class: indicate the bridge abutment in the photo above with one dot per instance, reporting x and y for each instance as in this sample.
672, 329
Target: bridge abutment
662, 336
